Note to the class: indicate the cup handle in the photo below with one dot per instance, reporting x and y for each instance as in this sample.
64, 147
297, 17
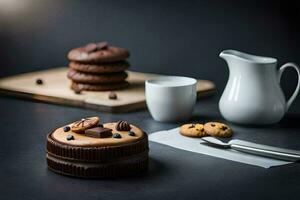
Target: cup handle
281, 70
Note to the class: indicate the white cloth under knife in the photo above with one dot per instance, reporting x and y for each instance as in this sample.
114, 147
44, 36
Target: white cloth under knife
174, 139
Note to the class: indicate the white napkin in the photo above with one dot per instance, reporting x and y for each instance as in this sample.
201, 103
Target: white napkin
174, 139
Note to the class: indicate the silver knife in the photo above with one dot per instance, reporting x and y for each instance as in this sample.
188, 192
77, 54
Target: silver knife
256, 149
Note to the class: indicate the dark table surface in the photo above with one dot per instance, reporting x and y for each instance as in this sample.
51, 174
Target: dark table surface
173, 174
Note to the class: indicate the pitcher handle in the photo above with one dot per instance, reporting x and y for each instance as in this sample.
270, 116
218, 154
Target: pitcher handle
281, 70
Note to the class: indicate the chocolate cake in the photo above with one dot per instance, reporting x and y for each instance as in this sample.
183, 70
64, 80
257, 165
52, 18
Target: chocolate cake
89, 149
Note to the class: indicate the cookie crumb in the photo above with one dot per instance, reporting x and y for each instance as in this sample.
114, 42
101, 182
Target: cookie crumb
39, 81
112, 95
77, 90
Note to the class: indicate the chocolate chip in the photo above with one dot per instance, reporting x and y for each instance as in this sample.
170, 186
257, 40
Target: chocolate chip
223, 128
131, 133
70, 137
77, 90
202, 129
39, 81
102, 45
213, 125
100, 125
67, 128
116, 135
112, 95
197, 129
192, 126
90, 47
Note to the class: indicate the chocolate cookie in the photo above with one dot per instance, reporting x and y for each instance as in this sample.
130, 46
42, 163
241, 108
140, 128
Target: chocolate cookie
84, 124
192, 130
80, 77
100, 87
218, 129
98, 53
100, 68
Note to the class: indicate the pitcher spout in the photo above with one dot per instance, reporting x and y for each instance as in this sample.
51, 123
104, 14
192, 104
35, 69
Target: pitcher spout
227, 54
245, 57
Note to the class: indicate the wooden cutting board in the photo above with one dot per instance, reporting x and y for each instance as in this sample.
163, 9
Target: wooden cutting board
56, 89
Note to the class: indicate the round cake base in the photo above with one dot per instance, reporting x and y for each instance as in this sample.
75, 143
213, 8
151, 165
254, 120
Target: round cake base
134, 165
89, 157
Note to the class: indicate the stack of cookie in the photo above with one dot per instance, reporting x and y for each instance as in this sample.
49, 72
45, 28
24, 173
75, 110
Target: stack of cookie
98, 67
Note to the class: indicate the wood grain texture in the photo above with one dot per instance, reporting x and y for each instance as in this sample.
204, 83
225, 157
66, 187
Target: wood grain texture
56, 89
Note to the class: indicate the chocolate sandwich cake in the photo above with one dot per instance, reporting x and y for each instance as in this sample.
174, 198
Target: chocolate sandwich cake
89, 149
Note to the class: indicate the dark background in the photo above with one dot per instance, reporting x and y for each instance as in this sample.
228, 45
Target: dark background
168, 37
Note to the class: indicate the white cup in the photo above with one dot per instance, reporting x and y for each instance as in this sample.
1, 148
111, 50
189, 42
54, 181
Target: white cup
171, 98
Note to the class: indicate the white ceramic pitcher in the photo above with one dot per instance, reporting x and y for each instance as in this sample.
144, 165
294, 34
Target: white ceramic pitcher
253, 94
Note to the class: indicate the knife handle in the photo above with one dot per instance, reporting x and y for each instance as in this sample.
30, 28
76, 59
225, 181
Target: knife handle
266, 152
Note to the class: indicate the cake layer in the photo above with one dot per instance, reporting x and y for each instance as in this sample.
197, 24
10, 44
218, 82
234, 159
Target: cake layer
128, 166
82, 140
97, 150
97, 153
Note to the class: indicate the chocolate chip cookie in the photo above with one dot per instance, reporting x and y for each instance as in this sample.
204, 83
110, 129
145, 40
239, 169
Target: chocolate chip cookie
192, 130
218, 129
